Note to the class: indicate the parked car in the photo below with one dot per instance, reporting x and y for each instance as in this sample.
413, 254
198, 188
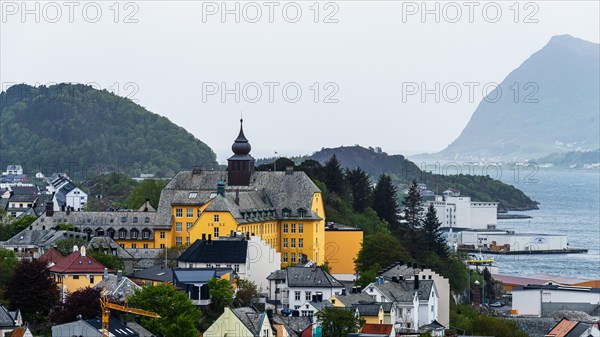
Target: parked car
496, 304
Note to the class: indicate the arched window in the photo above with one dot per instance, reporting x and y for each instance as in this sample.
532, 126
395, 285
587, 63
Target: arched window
122, 233
146, 233
111, 233
147, 219
134, 233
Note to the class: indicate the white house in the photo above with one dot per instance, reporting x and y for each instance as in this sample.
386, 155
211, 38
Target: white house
294, 286
240, 322
416, 301
13, 170
67, 194
251, 258
540, 300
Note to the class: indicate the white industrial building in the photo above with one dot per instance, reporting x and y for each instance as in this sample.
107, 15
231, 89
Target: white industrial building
541, 300
456, 211
504, 240
67, 194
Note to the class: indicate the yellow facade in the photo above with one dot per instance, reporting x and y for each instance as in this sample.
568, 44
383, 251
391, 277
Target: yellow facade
341, 248
73, 282
229, 324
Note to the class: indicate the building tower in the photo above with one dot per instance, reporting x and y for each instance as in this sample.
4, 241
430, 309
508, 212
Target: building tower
241, 165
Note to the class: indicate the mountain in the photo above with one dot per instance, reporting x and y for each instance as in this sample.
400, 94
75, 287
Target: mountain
77, 129
556, 108
572, 159
403, 171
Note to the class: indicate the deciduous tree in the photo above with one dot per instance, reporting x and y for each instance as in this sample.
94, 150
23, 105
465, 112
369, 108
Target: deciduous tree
246, 293
382, 249
339, 322
32, 288
84, 302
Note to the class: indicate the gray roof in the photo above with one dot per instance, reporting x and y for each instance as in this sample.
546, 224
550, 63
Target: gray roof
310, 277
25, 190
404, 291
23, 198
294, 325
398, 269
251, 318
350, 299
194, 275
156, 273
108, 246
368, 309
320, 305
139, 329
6, 319
277, 275
268, 191
116, 287
40, 238
216, 251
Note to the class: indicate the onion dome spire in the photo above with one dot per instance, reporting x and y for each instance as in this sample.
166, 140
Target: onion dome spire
241, 146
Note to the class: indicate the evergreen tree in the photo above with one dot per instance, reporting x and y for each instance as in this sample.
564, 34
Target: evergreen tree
385, 200
413, 207
334, 177
431, 233
360, 187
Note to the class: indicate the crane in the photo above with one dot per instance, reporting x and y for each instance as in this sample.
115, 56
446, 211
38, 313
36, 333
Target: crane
105, 306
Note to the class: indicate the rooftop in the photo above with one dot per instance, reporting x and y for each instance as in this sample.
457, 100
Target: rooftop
78, 263
216, 251
310, 277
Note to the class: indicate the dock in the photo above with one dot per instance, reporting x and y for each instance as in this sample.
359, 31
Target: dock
528, 252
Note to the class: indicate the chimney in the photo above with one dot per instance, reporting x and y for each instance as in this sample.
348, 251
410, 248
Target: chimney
49, 208
105, 273
401, 262
75, 248
416, 282
248, 236
82, 251
203, 237
289, 170
237, 197
68, 210
423, 266
119, 275
221, 188
209, 238
62, 208
146, 204
196, 170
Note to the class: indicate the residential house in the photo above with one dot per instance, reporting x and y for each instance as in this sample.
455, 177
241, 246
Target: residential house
9, 320
539, 300
567, 328
109, 246
240, 322
311, 308
416, 301
21, 331
251, 258
296, 285
382, 330
435, 329
77, 271
13, 170
67, 194
93, 328
19, 204
51, 257
194, 282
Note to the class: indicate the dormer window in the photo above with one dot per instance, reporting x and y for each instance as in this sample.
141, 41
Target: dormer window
193, 195
135, 219
301, 212
146, 220
286, 212
124, 219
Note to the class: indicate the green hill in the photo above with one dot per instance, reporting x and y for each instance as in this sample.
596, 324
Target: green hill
571, 158
403, 171
83, 131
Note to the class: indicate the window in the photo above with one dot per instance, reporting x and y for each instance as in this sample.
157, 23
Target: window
301, 243
76, 277
293, 243
285, 257
179, 212
122, 234
178, 226
193, 195
285, 242
286, 213
189, 212
216, 218
134, 234
300, 228
216, 232
91, 279
178, 240
189, 225
293, 228
162, 235
135, 219
146, 220
133, 246
162, 246
145, 246
187, 240
124, 219
307, 295
145, 234
285, 228
293, 257
122, 245
297, 295
236, 268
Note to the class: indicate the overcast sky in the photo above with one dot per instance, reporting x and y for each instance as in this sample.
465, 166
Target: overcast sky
173, 57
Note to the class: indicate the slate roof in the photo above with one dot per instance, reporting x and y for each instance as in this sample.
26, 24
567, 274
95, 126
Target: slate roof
251, 318
39, 206
294, 325
76, 263
193, 275
398, 269
108, 246
139, 329
217, 251
116, 287
277, 275
23, 198
367, 309
25, 190
351, 299
404, 291
433, 326
310, 277
116, 328
156, 273
6, 319
268, 191
320, 305
40, 238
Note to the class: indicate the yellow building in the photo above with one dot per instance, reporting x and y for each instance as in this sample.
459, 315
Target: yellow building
342, 244
77, 271
284, 208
